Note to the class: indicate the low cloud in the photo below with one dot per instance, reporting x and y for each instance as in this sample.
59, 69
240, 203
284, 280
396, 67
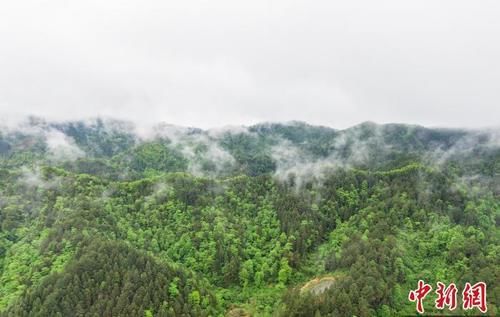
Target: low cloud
59, 145
32, 178
62, 147
201, 149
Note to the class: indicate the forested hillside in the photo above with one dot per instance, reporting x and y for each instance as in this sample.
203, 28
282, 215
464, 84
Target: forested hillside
102, 218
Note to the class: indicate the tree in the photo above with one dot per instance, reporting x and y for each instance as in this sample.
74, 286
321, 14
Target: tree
284, 272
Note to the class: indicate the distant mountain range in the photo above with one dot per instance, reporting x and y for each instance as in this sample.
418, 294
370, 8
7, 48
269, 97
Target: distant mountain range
268, 148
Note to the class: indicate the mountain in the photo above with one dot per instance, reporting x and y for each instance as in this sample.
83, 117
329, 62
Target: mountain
105, 218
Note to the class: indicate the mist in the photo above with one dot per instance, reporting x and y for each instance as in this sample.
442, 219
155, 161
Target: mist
201, 64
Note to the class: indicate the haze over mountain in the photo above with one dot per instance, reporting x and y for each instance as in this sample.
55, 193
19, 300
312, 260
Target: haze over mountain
274, 148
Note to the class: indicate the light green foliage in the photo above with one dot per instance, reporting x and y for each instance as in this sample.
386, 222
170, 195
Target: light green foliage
173, 289
194, 298
284, 272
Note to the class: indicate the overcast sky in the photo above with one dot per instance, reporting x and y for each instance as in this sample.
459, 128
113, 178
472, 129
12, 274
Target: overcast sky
214, 63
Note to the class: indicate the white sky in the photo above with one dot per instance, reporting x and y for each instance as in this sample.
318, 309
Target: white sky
214, 63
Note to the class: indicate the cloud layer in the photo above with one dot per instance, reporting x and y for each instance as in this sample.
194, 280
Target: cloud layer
207, 64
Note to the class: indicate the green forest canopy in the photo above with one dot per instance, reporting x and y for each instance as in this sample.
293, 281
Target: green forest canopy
97, 220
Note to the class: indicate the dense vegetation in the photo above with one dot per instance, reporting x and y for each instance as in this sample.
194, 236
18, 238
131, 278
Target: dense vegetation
98, 220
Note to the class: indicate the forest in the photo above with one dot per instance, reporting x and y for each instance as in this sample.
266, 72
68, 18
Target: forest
103, 218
